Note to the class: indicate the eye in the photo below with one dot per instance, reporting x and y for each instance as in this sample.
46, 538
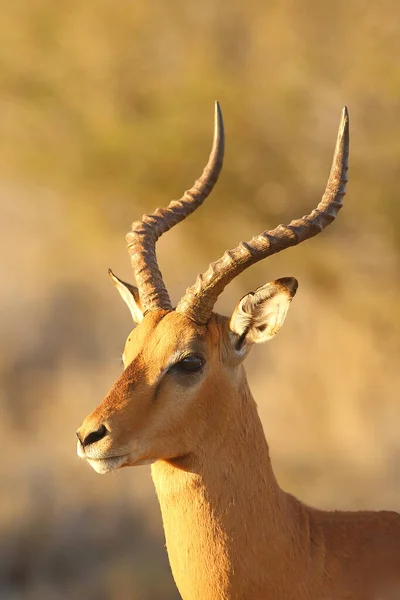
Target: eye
193, 363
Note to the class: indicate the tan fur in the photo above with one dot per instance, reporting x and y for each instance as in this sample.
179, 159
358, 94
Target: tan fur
231, 532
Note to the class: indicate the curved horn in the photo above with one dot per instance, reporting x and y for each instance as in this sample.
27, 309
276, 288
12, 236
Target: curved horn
142, 238
200, 298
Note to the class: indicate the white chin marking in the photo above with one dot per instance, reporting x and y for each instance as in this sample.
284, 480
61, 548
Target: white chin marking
104, 465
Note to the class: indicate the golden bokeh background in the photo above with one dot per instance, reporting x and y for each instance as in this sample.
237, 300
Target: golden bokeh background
106, 111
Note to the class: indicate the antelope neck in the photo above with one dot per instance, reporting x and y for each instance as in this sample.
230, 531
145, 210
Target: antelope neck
224, 512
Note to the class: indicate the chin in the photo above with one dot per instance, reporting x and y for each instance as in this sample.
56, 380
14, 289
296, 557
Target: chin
105, 465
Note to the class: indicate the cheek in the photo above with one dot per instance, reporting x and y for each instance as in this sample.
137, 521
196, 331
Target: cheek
175, 414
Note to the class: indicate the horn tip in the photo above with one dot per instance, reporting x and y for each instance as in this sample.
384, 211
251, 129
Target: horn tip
343, 134
345, 117
219, 134
218, 111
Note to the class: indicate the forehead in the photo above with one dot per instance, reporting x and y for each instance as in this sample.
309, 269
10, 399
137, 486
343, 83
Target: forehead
163, 333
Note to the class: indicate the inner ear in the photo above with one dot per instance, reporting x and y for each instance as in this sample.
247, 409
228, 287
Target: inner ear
130, 294
259, 315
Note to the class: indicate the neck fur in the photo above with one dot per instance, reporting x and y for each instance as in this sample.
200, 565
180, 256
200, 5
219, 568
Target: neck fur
224, 512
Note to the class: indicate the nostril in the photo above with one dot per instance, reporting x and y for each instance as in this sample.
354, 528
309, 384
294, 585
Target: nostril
94, 436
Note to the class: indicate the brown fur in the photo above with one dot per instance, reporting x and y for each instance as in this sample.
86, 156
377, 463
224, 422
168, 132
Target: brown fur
231, 532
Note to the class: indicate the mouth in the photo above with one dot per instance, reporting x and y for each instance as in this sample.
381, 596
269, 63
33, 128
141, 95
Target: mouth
103, 464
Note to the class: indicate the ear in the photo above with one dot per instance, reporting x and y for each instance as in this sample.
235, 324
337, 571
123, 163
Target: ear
259, 315
130, 294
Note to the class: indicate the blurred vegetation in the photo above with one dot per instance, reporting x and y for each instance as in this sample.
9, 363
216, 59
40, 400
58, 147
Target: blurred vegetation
106, 111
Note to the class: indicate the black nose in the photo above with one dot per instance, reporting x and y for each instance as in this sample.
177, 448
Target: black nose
93, 436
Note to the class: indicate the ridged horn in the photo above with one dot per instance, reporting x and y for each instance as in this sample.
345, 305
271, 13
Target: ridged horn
200, 298
142, 238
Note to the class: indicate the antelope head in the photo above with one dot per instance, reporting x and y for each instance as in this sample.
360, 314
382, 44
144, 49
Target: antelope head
182, 364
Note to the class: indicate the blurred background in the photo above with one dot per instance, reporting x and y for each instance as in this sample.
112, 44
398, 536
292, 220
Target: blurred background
106, 111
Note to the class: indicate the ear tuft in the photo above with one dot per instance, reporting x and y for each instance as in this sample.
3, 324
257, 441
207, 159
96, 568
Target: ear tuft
259, 315
130, 294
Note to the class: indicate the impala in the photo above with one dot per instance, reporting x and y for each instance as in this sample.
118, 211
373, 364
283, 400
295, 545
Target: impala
183, 404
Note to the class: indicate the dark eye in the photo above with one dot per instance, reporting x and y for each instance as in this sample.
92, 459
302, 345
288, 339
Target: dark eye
190, 364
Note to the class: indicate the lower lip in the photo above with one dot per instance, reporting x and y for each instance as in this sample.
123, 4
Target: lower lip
104, 465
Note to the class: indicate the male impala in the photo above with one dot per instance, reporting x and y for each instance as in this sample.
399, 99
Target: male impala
184, 405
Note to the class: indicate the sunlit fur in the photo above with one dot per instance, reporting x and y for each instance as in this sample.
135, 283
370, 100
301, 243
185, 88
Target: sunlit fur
231, 532
153, 414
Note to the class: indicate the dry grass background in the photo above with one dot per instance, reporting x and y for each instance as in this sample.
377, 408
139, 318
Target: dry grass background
106, 111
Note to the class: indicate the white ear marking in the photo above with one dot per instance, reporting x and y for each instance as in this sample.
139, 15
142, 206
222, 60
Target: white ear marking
259, 315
